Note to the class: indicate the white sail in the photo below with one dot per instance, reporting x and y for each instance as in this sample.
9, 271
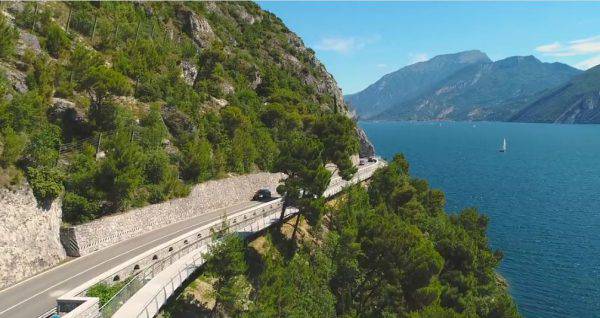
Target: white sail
503, 145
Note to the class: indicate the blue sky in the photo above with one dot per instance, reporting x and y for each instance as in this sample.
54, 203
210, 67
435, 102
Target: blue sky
361, 41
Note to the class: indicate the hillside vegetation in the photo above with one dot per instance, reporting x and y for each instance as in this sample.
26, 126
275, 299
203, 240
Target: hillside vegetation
114, 105
577, 101
386, 251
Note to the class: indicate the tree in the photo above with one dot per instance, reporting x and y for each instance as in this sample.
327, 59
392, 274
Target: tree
307, 178
197, 160
46, 183
338, 134
225, 266
57, 40
122, 174
11, 147
298, 288
102, 81
8, 37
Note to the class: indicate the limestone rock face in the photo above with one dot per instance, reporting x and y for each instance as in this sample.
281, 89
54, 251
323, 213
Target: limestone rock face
61, 107
189, 72
28, 41
17, 78
244, 16
366, 147
29, 236
177, 122
198, 28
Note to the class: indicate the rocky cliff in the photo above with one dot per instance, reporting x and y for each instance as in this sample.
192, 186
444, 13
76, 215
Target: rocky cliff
29, 236
114, 106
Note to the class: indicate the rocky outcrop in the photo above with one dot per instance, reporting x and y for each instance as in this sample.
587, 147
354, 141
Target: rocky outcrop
17, 78
29, 236
189, 71
28, 41
177, 122
366, 147
198, 28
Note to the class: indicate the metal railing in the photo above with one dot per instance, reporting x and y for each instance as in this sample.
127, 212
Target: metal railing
189, 268
139, 279
136, 282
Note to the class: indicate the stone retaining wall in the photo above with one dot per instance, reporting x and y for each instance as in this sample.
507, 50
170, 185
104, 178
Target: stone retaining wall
29, 239
86, 238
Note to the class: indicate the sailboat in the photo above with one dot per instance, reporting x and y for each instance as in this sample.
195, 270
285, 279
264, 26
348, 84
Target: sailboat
503, 149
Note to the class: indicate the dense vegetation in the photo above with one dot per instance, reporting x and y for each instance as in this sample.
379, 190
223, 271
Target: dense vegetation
138, 129
386, 251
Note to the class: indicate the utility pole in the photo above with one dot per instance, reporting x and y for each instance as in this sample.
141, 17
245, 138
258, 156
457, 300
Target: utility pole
68, 20
152, 32
94, 28
98, 145
137, 31
35, 11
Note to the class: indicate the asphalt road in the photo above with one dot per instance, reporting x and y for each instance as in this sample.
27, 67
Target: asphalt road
38, 294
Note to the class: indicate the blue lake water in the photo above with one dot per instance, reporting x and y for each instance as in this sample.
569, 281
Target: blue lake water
542, 197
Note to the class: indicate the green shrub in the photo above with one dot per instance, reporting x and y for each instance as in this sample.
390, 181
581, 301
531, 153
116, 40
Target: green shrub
11, 146
23, 113
43, 148
57, 40
8, 37
46, 183
77, 209
104, 291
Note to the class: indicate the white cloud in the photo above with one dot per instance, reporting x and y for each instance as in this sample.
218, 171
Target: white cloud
585, 46
340, 45
549, 48
588, 48
418, 57
382, 65
589, 63
344, 45
590, 39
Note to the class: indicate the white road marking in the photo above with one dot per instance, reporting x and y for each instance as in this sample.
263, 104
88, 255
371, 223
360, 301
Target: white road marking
108, 260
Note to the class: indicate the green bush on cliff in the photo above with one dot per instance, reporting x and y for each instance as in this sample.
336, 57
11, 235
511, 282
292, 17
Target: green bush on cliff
389, 251
159, 132
8, 37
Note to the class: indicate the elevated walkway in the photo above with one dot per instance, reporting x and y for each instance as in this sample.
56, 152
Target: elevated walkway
172, 263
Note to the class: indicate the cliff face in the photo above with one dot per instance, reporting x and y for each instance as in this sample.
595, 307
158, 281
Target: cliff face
29, 236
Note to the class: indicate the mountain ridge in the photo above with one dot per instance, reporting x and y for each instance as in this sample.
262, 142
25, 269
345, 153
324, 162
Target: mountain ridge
493, 90
416, 78
577, 101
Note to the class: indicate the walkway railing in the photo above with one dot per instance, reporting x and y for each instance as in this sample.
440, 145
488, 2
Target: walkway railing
157, 300
140, 279
249, 220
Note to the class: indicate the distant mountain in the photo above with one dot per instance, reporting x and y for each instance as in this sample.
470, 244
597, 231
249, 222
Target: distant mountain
410, 82
479, 91
577, 101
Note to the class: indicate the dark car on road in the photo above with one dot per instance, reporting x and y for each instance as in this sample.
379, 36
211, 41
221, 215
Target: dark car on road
262, 195
372, 159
